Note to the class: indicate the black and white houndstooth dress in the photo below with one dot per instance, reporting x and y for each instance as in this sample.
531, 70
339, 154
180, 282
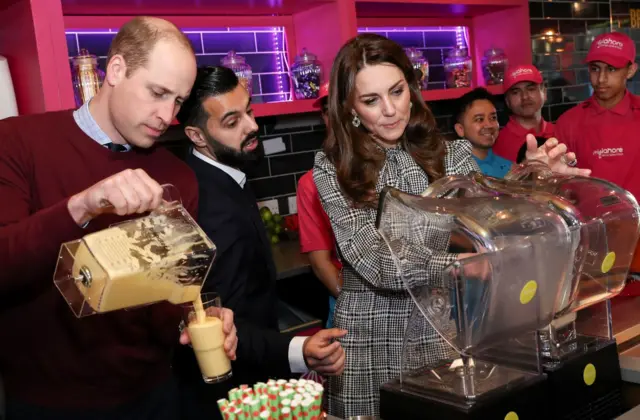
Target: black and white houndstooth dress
374, 306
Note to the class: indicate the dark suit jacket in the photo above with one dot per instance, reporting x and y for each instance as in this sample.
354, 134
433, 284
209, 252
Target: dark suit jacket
244, 275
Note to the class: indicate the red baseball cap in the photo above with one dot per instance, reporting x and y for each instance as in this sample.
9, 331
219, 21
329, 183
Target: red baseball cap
324, 92
615, 48
524, 73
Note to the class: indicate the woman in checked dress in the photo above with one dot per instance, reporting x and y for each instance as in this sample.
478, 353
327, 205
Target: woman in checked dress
383, 134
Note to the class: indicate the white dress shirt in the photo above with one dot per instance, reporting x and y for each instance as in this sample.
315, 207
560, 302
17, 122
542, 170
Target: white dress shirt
296, 356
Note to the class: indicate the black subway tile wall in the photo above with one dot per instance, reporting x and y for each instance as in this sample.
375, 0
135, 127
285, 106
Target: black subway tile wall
621, 15
285, 168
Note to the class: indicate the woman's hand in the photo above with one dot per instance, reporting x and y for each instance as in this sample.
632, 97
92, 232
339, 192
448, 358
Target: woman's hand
555, 156
479, 268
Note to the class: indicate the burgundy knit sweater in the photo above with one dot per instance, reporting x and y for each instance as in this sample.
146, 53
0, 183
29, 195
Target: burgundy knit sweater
48, 357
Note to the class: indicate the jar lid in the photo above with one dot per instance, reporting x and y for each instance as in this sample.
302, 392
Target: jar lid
305, 56
232, 58
85, 58
458, 52
413, 52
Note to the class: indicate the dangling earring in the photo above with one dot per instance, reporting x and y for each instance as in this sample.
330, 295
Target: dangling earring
355, 121
410, 105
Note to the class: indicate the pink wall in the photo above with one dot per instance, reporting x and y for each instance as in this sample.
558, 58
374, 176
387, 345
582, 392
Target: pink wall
52, 46
32, 35
311, 25
18, 45
32, 39
507, 29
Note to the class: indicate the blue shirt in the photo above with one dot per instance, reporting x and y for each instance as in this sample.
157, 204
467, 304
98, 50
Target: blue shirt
332, 308
90, 127
494, 165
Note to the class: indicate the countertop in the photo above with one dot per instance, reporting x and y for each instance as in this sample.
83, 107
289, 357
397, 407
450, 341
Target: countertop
633, 414
288, 259
625, 321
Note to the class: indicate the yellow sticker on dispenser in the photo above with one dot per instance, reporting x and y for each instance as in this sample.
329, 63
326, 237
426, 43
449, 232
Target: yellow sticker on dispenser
589, 374
608, 262
528, 292
511, 415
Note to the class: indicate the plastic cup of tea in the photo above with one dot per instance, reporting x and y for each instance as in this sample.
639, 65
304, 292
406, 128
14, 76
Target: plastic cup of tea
204, 325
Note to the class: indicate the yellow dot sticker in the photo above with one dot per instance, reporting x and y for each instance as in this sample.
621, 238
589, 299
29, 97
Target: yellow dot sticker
511, 415
608, 261
589, 374
528, 292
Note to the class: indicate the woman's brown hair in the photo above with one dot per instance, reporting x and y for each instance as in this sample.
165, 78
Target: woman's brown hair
357, 158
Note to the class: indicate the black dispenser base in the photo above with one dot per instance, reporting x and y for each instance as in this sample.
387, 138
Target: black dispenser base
575, 393
523, 401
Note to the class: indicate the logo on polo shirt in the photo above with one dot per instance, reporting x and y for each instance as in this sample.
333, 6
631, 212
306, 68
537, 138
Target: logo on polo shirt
520, 72
610, 43
608, 152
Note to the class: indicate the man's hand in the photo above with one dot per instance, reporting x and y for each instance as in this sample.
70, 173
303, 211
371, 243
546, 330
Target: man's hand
128, 192
554, 155
324, 355
229, 329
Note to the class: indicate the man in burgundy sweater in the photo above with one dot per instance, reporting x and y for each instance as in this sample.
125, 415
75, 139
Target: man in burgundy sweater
56, 171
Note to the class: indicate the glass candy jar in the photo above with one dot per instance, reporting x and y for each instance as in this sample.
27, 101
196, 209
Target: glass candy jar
87, 77
240, 68
420, 66
494, 65
457, 67
306, 73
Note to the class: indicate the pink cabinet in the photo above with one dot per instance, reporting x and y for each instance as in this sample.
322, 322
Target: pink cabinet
32, 35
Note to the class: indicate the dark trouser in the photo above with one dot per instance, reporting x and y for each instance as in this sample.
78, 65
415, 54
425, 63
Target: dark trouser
161, 403
199, 402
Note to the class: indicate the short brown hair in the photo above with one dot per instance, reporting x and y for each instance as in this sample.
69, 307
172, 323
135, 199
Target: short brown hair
357, 159
136, 39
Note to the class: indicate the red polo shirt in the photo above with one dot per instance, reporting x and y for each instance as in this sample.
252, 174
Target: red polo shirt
607, 142
513, 135
315, 228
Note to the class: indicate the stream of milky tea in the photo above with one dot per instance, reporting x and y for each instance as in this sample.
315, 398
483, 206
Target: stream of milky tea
201, 316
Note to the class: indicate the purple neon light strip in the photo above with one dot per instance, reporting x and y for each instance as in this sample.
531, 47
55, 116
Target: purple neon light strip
244, 30
462, 35
279, 68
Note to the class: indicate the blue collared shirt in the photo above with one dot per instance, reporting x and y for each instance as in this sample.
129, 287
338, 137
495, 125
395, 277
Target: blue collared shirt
494, 165
90, 127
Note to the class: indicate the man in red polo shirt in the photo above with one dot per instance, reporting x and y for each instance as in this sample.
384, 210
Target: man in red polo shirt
525, 95
603, 130
316, 235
